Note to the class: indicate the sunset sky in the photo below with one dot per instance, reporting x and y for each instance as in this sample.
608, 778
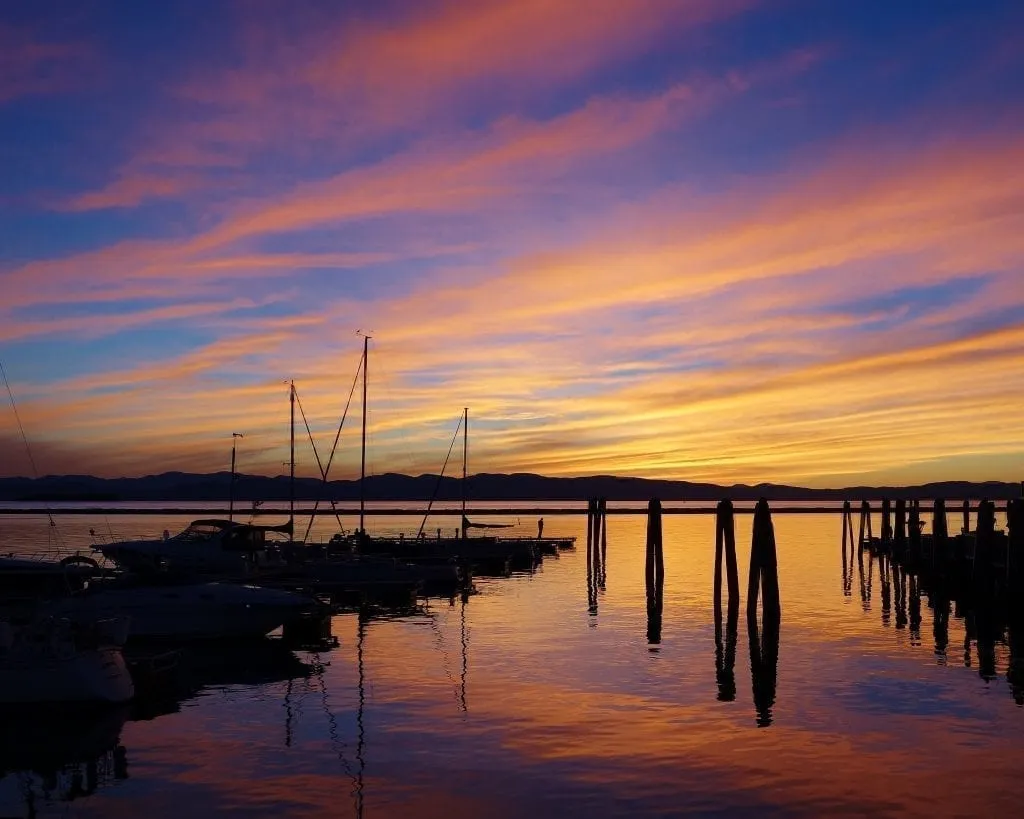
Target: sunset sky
715, 240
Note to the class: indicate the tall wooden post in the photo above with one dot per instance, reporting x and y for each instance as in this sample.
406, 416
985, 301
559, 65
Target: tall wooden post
725, 545
886, 533
591, 584
764, 567
967, 517
899, 543
1015, 547
940, 535
654, 572
602, 511
984, 540
764, 646
914, 533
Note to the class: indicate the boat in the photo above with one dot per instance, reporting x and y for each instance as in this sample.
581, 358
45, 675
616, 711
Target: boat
205, 547
49, 659
29, 578
189, 610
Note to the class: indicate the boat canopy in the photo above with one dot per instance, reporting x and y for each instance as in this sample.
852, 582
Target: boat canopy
468, 524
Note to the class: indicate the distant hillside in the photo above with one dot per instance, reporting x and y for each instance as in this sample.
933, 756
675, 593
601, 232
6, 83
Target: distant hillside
181, 486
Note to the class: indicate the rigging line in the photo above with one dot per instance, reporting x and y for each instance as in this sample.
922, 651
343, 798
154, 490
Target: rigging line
320, 465
334, 448
28, 451
437, 484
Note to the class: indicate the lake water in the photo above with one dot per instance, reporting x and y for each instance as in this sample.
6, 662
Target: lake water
524, 700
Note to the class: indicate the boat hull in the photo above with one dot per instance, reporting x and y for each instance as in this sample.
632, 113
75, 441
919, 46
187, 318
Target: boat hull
94, 675
194, 612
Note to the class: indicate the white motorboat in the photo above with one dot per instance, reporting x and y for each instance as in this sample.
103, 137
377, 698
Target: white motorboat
58, 660
208, 547
188, 611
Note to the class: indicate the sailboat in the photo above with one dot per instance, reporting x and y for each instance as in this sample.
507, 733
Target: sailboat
542, 545
483, 555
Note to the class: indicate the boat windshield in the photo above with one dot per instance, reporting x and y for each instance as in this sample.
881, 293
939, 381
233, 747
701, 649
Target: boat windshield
199, 532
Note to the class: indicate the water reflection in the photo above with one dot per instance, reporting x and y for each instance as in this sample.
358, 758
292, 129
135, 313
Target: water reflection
60, 755
960, 584
725, 652
764, 663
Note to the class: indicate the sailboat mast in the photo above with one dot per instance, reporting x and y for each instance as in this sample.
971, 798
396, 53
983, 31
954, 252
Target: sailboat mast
291, 460
465, 461
362, 465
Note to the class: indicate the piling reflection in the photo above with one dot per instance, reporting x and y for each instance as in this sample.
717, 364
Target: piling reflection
884, 579
764, 642
725, 653
967, 578
597, 550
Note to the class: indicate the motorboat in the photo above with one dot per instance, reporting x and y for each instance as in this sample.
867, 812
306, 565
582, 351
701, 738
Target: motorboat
206, 547
51, 659
28, 578
188, 611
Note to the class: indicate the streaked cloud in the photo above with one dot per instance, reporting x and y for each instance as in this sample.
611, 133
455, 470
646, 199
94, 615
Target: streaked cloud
534, 218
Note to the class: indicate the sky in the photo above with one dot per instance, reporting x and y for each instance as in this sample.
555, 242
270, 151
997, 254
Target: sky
737, 241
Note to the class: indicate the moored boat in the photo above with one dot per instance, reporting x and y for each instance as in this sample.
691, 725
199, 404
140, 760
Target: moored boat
60, 660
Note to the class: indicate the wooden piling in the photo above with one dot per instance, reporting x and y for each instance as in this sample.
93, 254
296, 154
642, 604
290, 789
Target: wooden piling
602, 513
865, 525
725, 544
1015, 547
914, 531
654, 572
764, 568
967, 518
886, 533
984, 541
764, 641
940, 536
591, 582
899, 540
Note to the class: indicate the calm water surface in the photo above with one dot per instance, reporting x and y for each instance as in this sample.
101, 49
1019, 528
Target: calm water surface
524, 700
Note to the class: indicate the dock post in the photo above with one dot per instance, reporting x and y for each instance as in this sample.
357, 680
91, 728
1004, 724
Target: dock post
725, 543
886, 533
899, 543
602, 513
967, 517
764, 646
940, 536
591, 584
654, 572
984, 541
1015, 546
764, 567
865, 525
847, 528
914, 531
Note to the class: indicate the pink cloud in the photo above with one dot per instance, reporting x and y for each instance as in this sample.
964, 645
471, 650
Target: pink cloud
30, 65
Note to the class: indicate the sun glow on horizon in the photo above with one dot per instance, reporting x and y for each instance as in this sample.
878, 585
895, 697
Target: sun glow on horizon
643, 240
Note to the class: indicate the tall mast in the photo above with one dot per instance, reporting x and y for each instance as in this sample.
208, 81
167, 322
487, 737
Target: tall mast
465, 460
291, 460
231, 491
362, 465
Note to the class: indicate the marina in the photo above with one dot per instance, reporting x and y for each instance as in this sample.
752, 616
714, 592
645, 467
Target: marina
628, 696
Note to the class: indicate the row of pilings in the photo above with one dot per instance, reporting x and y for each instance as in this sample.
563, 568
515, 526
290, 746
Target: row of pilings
983, 560
762, 598
976, 574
